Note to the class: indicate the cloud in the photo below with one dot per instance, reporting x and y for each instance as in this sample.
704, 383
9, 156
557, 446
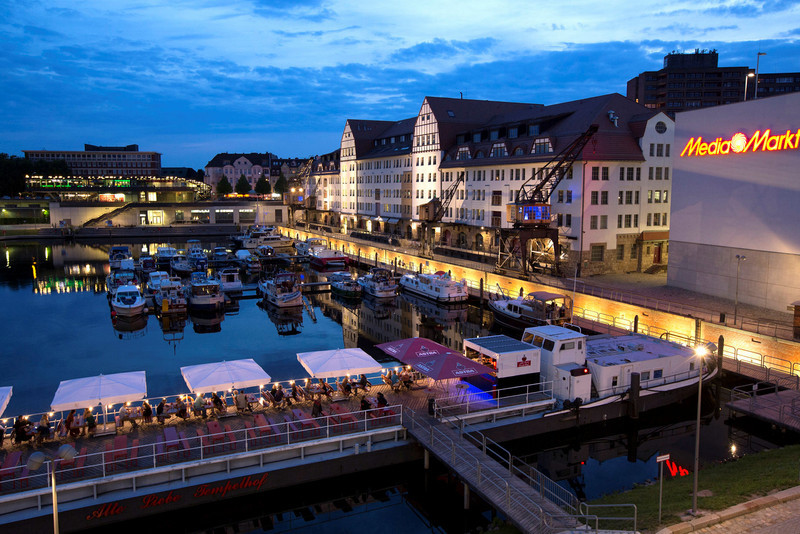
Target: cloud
440, 48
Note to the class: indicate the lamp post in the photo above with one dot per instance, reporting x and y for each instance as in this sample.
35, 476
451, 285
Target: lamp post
35, 461
739, 259
758, 58
700, 352
749, 75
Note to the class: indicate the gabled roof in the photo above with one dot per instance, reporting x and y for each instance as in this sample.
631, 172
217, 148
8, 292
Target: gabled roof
404, 127
364, 132
220, 160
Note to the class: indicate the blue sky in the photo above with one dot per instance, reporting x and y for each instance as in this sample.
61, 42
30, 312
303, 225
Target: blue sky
190, 79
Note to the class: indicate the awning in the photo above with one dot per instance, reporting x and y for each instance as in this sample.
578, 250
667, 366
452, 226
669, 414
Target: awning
377, 219
392, 221
660, 235
338, 362
5, 396
103, 389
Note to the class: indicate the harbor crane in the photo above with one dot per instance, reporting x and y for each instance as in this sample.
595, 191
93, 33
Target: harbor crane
431, 213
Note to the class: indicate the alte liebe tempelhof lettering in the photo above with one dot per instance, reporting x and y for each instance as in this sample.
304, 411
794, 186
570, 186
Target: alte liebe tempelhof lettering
760, 141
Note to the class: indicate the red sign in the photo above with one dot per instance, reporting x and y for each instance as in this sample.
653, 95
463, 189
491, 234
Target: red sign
675, 469
739, 143
524, 362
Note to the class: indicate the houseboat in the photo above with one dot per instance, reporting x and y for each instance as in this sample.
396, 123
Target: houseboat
534, 309
229, 280
170, 297
439, 287
305, 248
282, 291
119, 278
179, 263
593, 378
379, 283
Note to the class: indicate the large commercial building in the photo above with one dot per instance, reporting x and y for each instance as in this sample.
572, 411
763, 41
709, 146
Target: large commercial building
735, 217
124, 162
610, 211
695, 80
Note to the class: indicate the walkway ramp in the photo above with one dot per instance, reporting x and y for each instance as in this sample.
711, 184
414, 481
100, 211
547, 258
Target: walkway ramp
521, 503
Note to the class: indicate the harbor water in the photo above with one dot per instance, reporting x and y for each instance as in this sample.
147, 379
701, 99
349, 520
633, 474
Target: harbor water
57, 325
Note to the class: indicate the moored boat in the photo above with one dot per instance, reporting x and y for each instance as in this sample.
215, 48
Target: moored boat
197, 256
119, 278
343, 284
325, 258
204, 294
378, 283
154, 282
119, 257
128, 301
283, 290
535, 309
180, 264
164, 255
147, 264
229, 280
170, 297
306, 248
439, 286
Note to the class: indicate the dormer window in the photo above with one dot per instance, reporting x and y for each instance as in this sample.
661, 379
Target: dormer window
512, 132
463, 154
542, 145
493, 135
499, 150
476, 137
533, 129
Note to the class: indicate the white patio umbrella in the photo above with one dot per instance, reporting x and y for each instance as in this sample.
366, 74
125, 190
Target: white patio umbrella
103, 389
338, 362
5, 396
221, 376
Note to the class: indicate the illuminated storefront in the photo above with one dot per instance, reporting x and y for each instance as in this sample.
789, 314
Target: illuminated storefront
735, 217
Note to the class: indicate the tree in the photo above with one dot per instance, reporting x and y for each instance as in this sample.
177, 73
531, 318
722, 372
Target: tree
280, 185
224, 187
242, 186
262, 186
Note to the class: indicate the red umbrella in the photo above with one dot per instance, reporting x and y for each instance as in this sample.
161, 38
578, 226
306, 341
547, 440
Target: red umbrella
448, 365
409, 349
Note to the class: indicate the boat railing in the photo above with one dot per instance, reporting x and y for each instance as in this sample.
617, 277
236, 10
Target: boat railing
528, 398
650, 383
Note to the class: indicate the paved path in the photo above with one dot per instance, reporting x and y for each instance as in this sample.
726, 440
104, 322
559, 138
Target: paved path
775, 514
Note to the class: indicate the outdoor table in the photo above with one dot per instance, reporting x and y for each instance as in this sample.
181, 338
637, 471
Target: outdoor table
262, 426
171, 439
344, 415
305, 420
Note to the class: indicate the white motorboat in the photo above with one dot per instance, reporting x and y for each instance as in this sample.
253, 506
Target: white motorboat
128, 301
229, 280
165, 254
119, 278
306, 248
147, 264
154, 282
534, 309
264, 235
283, 290
179, 264
119, 257
325, 258
439, 287
378, 283
343, 284
197, 256
170, 296
221, 256
203, 294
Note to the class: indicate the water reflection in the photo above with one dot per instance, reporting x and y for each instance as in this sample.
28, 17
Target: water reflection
287, 321
129, 327
206, 322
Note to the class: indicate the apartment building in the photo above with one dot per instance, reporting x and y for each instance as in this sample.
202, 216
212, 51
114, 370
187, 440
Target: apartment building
94, 160
233, 166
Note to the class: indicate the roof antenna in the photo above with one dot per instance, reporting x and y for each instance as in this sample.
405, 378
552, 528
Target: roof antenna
462, 94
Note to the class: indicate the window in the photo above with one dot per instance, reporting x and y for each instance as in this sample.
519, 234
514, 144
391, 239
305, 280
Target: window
620, 252
638, 174
630, 174
663, 219
619, 221
603, 222
656, 219
650, 173
649, 219
664, 196
627, 221
605, 174
597, 252
561, 196
658, 373
633, 250
593, 222
594, 199
666, 173
652, 149
628, 197
568, 219
569, 196
595, 173
621, 174
604, 197
645, 376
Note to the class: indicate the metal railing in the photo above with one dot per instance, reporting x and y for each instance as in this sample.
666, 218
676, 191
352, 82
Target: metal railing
511, 397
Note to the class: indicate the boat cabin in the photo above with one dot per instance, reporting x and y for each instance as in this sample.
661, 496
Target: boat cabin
563, 360
515, 363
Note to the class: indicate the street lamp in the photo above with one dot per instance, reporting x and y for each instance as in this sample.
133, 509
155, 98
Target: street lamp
749, 75
700, 352
65, 452
758, 58
739, 259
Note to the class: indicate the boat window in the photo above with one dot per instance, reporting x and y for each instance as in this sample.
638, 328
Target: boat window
645, 376
549, 345
527, 338
613, 381
691, 366
568, 345
658, 373
580, 345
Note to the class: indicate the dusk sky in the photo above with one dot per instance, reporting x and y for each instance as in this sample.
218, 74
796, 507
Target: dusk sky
191, 79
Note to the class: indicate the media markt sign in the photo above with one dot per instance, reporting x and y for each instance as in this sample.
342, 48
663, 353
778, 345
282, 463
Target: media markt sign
739, 143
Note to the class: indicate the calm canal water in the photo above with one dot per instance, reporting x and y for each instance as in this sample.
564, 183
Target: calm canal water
56, 325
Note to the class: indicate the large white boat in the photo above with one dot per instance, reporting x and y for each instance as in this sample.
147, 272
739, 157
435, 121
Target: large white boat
119, 257
203, 294
306, 248
378, 283
439, 287
170, 297
534, 309
264, 235
593, 378
229, 280
179, 263
165, 254
283, 290
128, 301
343, 284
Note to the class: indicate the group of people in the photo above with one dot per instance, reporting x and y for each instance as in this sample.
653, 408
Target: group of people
398, 381
350, 386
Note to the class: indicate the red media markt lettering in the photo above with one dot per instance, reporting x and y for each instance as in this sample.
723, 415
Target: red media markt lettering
761, 141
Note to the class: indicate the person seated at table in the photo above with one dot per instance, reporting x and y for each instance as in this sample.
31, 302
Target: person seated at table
199, 406
295, 394
181, 409
160, 412
345, 388
71, 425
395, 381
268, 398
91, 422
316, 408
216, 401
147, 412
23, 430
382, 402
43, 430
387, 378
279, 396
365, 405
240, 399
405, 378
126, 413
327, 390
363, 383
